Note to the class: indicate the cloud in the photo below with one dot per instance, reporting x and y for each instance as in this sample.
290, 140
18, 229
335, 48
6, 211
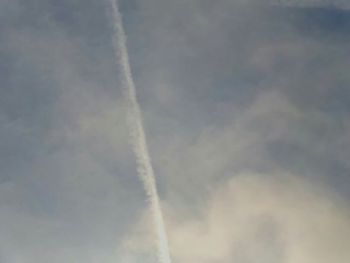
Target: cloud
64, 151
261, 218
341, 4
239, 100
245, 88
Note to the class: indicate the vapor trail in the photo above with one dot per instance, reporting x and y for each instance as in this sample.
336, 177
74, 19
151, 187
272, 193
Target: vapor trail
137, 133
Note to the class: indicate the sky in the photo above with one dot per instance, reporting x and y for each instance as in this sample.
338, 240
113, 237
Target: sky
246, 112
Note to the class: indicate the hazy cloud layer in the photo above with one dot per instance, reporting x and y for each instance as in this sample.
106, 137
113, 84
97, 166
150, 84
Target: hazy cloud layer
246, 110
259, 218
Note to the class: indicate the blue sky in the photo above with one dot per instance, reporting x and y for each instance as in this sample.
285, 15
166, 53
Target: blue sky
245, 106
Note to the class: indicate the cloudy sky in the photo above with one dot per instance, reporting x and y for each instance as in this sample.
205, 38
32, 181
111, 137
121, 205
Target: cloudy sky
246, 108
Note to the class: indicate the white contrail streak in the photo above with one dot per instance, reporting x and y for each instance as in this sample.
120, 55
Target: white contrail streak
137, 134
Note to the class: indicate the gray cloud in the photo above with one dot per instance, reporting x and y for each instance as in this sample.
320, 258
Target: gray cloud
260, 218
245, 108
341, 4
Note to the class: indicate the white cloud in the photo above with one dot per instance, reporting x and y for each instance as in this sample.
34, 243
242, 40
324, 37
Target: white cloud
260, 218
220, 83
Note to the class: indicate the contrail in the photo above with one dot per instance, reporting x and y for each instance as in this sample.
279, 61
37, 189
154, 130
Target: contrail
137, 133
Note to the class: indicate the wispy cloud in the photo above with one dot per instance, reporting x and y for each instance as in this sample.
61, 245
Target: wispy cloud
246, 112
260, 218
